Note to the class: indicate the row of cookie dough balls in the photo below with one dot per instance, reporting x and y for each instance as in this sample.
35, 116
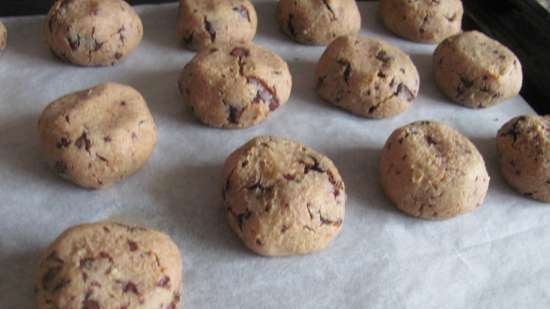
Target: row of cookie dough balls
283, 198
103, 32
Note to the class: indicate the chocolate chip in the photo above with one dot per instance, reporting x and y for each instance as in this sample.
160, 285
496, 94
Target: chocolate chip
83, 141
105, 255
259, 242
264, 93
63, 143
130, 287
347, 69
234, 114
289, 177
102, 158
290, 25
258, 186
210, 29
118, 56
50, 276
132, 245
329, 8
430, 140
403, 92
240, 52
97, 45
316, 167
284, 228
383, 56
466, 82
107, 139
86, 262
164, 282
188, 39
90, 304
325, 221
74, 43
61, 285
241, 218
321, 81
243, 11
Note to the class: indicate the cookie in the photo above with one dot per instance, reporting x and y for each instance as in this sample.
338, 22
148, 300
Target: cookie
235, 86
3, 36
475, 70
92, 32
367, 77
429, 170
202, 23
110, 265
318, 22
98, 136
424, 21
283, 198
523, 146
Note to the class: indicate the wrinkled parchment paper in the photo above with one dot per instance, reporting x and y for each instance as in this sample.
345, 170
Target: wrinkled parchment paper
496, 257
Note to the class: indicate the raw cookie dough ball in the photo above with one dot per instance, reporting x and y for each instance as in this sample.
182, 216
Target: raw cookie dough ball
235, 86
424, 21
318, 21
92, 32
367, 77
283, 198
109, 265
523, 145
431, 171
3, 36
98, 136
475, 70
202, 23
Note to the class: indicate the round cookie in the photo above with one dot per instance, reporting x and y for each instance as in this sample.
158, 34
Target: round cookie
92, 32
475, 70
3, 36
523, 146
424, 21
431, 171
202, 23
318, 21
110, 265
367, 77
235, 86
283, 198
98, 136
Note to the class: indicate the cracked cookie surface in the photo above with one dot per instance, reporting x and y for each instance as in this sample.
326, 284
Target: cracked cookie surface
476, 71
235, 86
3, 36
431, 171
523, 146
367, 77
318, 21
98, 136
202, 23
283, 198
92, 32
108, 266
424, 21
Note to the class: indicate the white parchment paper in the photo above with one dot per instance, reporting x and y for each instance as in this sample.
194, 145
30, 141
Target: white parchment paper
496, 257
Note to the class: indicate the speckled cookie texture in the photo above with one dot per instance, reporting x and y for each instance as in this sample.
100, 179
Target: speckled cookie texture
523, 145
108, 266
318, 22
283, 198
367, 77
424, 21
3, 36
92, 32
235, 86
98, 136
431, 171
202, 23
475, 70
